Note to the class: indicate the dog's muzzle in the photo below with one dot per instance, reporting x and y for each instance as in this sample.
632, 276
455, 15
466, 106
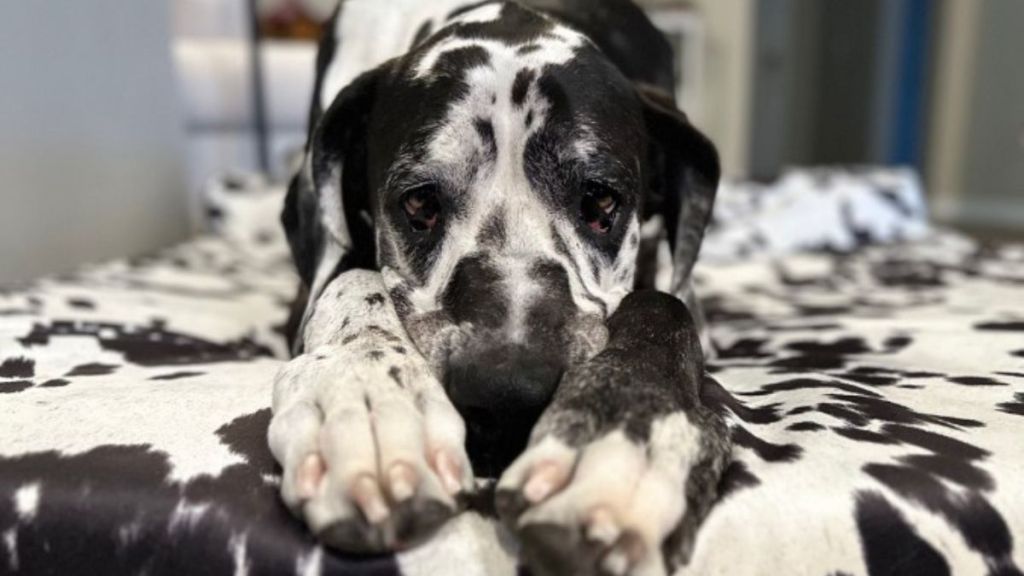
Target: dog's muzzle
506, 371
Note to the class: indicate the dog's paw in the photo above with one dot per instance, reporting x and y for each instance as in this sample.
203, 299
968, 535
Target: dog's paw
603, 507
372, 453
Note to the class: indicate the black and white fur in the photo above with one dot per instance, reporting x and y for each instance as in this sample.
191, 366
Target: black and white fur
510, 333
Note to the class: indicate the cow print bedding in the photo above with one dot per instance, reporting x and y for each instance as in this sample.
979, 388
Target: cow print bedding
874, 382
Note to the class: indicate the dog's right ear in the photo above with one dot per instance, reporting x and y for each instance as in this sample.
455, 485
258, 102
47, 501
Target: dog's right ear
326, 213
322, 212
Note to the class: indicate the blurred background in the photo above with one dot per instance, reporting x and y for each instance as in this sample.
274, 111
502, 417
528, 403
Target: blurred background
113, 114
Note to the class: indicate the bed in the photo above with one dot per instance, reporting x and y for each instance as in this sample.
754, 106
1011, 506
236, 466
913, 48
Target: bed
871, 367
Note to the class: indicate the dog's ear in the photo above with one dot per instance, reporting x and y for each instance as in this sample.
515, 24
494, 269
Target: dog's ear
326, 211
326, 216
684, 178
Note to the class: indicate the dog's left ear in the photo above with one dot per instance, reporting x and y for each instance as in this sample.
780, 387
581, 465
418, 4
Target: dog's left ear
683, 181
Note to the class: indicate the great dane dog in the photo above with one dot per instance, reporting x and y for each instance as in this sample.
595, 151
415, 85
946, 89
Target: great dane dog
491, 194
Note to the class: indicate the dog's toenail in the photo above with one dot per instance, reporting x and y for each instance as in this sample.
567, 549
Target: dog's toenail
448, 471
538, 488
309, 474
401, 481
367, 495
603, 527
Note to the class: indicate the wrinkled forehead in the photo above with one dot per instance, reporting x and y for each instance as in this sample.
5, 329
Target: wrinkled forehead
494, 34
504, 72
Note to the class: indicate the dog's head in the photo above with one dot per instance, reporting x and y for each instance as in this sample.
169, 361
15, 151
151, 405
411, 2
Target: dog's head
499, 175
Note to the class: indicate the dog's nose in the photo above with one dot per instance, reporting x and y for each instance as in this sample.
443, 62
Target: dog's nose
500, 393
503, 378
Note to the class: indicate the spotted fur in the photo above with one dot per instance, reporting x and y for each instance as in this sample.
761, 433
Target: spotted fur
491, 165
875, 399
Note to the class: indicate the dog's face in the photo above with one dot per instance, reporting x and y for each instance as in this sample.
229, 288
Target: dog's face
507, 213
499, 171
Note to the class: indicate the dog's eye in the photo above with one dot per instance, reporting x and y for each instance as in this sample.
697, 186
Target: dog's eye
600, 207
423, 207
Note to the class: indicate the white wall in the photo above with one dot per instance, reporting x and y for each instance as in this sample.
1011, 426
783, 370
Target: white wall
977, 156
725, 115
953, 89
91, 138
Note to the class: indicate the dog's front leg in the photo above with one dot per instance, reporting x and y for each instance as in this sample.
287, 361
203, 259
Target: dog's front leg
371, 449
624, 464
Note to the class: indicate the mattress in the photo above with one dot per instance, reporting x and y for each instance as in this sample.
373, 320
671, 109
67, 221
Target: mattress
870, 365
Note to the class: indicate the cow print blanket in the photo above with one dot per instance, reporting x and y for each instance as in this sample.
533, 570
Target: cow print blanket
872, 370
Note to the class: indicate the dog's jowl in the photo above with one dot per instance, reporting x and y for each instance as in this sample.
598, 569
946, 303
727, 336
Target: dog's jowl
484, 187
